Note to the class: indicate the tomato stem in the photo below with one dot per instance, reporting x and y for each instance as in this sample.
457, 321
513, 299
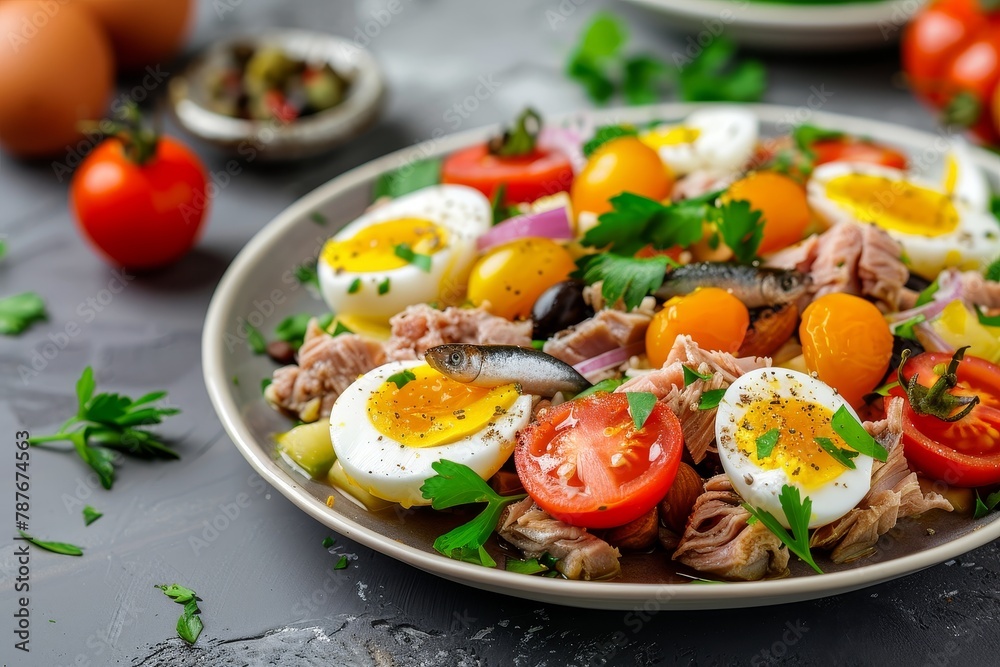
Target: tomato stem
139, 138
519, 140
936, 400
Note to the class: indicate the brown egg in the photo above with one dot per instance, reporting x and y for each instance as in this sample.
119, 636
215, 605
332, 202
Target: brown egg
56, 69
143, 32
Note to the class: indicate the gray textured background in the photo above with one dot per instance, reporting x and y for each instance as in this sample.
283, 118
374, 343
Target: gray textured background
270, 593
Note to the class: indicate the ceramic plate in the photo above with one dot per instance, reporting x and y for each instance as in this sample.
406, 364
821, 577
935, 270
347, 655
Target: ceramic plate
791, 27
260, 288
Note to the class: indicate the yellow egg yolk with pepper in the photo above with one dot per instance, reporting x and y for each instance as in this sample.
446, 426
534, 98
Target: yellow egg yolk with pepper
423, 408
796, 451
894, 205
385, 245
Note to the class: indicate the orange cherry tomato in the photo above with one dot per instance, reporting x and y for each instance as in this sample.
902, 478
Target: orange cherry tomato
621, 165
782, 203
847, 343
714, 318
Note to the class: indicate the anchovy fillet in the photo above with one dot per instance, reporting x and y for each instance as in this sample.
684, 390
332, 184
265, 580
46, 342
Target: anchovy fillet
536, 372
754, 286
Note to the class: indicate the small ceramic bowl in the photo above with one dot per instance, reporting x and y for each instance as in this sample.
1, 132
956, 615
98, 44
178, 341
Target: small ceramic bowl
272, 139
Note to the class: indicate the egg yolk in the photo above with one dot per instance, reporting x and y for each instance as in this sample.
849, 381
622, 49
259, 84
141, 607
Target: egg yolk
431, 409
798, 423
672, 135
894, 205
375, 248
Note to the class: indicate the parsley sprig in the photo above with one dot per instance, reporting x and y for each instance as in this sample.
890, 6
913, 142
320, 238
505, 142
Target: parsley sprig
189, 625
457, 484
107, 423
627, 278
797, 512
20, 311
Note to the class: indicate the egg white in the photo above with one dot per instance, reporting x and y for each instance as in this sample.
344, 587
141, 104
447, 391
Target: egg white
964, 179
760, 488
974, 243
390, 470
463, 212
727, 137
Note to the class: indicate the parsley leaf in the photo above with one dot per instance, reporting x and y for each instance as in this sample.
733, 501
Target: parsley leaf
636, 221
644, 76
501, 211
189, 625
841, 456
328, 542
927, 294
264, 384
112, 422
806, 135
306, 274
419, 260
608, 385
354, 286
798, 513
713, 77
318, 218
626, 278
90, 515
987, 320
711, 399
992, 272
691, 375
599, 45
408, 178
905, 329
20, 311
292, 329
55, 547
640, 406
339, 329
255, 339
766, 443
383, 287
402, 378
457, 484
855, 435
985, 507
741, 228
606, 133
341, 564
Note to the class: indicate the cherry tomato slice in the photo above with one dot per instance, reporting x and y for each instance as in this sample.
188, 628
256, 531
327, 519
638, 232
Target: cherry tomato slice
585, 463
854, 150
526, 177
962, 453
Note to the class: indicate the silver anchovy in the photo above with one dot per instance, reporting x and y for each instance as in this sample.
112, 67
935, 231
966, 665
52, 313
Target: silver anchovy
755, 286
494, 365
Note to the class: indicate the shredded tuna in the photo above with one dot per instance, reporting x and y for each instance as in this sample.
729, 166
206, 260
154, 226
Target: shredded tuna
895, 494
856, 259
718, 540
667, 384
700, 183
607, 330
327, 366
978, 291
420, 327
581, 555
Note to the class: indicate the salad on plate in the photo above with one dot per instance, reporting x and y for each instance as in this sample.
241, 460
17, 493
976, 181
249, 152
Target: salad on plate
676, 338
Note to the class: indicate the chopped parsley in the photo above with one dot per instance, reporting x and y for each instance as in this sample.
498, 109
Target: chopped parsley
640, 406
855, 435
306, 274
383, 287
328, 542
408, 178
189, 625
20, 311
711, 399
608, 385
256, 340
905, 329
341, 564
992, 272
55, 547
841, 456
501, 211
264, 384
354, 286
457, 484
797, 512
292, 329
419, 260
806, 135
318, 218
627, 278
402, 378
766, 443
105, 423
90, 515
984, 507
691, 375
606, 133
927, 294
339, 329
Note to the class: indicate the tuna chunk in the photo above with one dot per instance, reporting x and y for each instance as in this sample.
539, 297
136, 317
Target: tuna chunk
581, 555
895, 494
420, 327
978, 291
856, 259
667, 384
327, 366
718, 540
607, 330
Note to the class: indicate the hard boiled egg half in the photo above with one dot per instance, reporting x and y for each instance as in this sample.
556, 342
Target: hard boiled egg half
395, 421
720, 139
937, 227
799, 408
414, 249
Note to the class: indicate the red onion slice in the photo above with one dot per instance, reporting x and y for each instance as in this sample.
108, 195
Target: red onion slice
949, 289
611, 359
930, 339
553, 224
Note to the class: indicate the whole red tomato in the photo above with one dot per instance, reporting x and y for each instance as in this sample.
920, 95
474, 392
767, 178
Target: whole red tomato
951, 54
141, 209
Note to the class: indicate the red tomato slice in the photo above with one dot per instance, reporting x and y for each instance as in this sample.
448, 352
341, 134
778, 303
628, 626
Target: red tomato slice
585, 463
526, 177
962, 453
853, 150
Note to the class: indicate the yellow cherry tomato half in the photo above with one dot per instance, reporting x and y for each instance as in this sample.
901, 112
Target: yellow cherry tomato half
714, 318
511, 277
847, 343
621, 165
781, 202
